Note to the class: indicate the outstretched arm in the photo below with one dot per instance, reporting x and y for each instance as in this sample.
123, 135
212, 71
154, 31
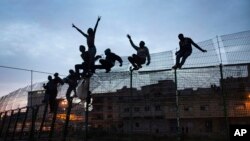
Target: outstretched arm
99, 18
85, 35
119, 59
197, 46
97, 57
148, 57
132, 43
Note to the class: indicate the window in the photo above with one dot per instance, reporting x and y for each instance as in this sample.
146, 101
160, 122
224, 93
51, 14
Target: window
136, 109
240, 107
126, 110
137, 124
110, 107
188, 109
157, 107
147, 108
208, 126
204, 108
110, 117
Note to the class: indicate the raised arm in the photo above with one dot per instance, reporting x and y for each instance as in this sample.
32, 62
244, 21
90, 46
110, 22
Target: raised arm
85, 35
148, 57
197, 46
99, 18
132, 43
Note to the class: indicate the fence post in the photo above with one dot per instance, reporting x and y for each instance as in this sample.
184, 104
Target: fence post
131, 103
7, 130
14, 130
177, 106
43, 119
33, 121
24, 122
224, 101
3, 122
53, 121
87, 108
65, 132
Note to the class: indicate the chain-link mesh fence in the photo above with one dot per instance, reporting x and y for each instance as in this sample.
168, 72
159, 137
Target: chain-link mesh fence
201, 100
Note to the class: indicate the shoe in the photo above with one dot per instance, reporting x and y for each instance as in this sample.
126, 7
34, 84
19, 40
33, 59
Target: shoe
108, 70
139, 66
175, 67
136, 68
179, 66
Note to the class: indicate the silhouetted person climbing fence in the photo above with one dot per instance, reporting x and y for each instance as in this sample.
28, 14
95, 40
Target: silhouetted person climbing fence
185, 50
52, 99
71, 79
142, 54
48, 88
85, 65
90, 41
109, 61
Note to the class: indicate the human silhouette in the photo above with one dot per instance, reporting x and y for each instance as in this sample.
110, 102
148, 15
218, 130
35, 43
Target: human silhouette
142, 54
109, 61
52, 99
85, 64
90, 41
47, 87
71, 79
185, 50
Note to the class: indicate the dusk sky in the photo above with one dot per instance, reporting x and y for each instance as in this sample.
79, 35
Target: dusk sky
38, 34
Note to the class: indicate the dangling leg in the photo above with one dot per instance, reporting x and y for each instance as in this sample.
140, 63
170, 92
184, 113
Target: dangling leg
68, 93
106, 65
74, 89
178, 57
52, 102
139, 61
109, 66
185, 56
131, 60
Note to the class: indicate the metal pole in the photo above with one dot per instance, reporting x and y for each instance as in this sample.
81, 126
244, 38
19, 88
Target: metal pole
33, 121
131, 102
53, 122
31, 87
24, 121
224, 101
177, 106
15, 125
3, 122
87, 109
65, 132
7, 130
43, 119
219, 48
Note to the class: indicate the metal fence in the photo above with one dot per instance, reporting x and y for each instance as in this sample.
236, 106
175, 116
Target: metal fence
210, 92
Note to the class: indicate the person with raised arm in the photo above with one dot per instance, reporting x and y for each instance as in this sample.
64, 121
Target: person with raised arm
90, 40
137, 60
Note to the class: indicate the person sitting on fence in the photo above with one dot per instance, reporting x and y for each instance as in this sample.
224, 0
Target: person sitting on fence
85, 65
109, 61
90, 41
185, 50
71, 79
142, 53
47, 88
